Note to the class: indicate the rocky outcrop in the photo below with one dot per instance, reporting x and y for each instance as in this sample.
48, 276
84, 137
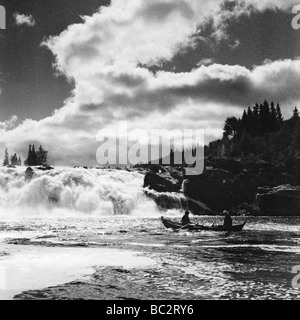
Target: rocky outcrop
161, 183
279, 201
211, 188
221, 190
225, 184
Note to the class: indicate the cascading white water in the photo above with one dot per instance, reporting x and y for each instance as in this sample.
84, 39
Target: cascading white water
73, 191
66, 190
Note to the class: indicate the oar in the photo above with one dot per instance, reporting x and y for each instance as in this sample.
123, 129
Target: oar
176, 230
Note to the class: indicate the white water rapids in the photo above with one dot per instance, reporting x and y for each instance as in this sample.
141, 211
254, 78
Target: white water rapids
66, 191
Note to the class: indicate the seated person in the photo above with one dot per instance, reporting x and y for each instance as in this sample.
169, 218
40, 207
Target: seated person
227, 220
185, 219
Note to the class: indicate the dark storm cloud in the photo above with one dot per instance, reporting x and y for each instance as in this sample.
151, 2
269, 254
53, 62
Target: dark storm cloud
219, 84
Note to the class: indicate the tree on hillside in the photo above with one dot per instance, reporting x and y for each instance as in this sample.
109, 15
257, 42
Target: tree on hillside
274, 123
279, 114
6, 159
296, 114
260, 133
256, 121
231, 127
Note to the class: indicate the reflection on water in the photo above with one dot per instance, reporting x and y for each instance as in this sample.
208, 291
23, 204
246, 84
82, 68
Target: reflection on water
253, 264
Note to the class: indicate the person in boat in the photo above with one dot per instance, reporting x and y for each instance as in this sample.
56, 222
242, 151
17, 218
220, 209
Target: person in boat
185, 219
227, 220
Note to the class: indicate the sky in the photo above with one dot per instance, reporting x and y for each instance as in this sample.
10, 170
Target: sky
69, 68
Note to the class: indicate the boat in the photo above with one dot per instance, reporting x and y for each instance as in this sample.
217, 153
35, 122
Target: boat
169, 224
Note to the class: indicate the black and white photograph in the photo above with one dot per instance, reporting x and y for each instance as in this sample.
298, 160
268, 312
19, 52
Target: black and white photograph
150, 152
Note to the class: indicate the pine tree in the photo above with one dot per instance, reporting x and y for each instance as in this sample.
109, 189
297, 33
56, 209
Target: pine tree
14, 160
42, 156
231, 127
19, 162
250, 123
245, 143
296, 114
32, 158
279, 114
256, 111
27, 162
274, 124
6, 159
266, 117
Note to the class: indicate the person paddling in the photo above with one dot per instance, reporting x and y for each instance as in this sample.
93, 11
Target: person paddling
185, 219
227, 220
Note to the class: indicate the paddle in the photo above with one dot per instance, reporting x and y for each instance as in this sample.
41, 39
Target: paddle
177, 230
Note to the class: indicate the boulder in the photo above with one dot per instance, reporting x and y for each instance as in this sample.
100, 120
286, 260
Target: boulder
161, 183
283, 200
29, 174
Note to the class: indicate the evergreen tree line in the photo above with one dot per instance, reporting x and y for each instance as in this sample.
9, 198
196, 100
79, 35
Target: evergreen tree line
36, 158
256, 121
11, 160
178, 157
261, 133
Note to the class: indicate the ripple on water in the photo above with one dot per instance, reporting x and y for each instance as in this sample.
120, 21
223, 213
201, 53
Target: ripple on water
39, 267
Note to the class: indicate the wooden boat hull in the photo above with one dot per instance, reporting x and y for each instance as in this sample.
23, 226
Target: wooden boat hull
169, 224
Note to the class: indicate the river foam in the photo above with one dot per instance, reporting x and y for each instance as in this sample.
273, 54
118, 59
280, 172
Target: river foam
66, 191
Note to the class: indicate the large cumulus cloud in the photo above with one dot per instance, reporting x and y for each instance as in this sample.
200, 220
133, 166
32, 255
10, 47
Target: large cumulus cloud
106, 56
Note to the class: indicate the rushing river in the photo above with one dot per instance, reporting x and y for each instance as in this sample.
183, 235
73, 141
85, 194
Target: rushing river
75, 234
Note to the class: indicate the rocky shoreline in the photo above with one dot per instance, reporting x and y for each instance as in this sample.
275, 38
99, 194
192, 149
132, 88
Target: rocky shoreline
255, 188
